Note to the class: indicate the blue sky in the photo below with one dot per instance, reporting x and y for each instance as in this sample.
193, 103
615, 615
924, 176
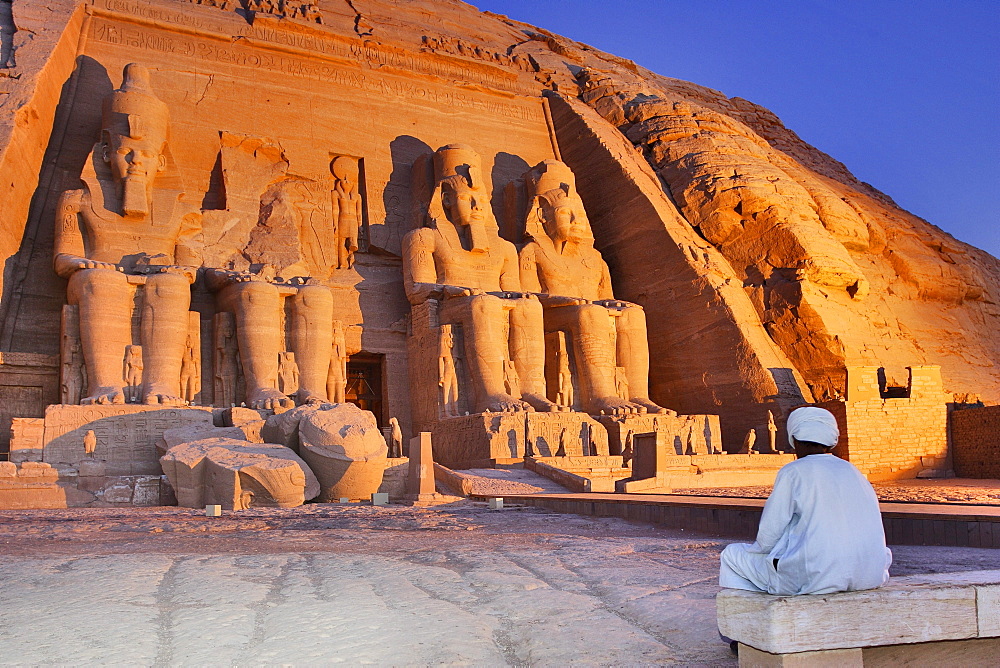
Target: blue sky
905, 93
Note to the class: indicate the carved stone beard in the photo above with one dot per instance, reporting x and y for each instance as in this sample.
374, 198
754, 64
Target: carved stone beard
135, 197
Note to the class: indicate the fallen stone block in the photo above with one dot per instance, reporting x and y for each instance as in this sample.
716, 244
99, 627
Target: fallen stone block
237, 474
344, 447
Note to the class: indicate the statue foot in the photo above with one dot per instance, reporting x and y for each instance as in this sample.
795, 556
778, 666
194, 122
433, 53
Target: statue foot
309, 397
268, 398
617, 407
105, 396
504, 403
154, 398
541, 404
651, 407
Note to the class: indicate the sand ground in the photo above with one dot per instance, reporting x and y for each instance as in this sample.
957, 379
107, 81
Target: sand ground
455, 584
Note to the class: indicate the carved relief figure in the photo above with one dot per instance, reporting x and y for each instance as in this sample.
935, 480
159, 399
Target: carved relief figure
336, 382
190, 371
460, 259
347, 215
132, 372
772, 432
117, 226
448, 374
574, 284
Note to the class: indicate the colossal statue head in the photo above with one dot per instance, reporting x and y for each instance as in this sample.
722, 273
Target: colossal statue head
133, 137
556, 205
460, 192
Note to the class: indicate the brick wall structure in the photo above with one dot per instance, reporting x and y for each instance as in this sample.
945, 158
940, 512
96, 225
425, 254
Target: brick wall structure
975, 441
891, 438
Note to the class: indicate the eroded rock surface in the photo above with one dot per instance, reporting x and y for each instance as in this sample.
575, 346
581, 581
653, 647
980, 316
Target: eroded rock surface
345, 448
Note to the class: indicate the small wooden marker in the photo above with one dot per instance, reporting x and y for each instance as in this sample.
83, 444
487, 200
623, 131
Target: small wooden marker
213, 511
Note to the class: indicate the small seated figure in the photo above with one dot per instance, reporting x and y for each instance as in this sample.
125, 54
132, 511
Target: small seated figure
119, 225
461, 261
573, 283
821, 529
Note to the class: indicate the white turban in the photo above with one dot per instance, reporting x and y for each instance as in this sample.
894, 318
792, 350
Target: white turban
816, 425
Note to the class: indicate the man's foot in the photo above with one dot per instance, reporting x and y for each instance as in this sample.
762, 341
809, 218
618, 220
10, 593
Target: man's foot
504, 403
309, 397
268, 398
105, 396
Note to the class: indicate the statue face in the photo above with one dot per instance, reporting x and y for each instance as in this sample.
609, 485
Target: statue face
460, 204
134, 164
133, 158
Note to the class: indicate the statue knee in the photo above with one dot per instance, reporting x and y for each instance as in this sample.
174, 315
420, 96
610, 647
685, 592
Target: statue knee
315, 297
256, 294
593, 317
167, 286
485, 306
98, 284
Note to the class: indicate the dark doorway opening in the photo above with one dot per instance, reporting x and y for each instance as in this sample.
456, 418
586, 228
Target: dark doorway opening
364, 384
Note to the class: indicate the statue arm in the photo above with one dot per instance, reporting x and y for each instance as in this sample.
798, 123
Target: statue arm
510, 276
70, 253
604, 289
189, 247
419, 272
529, 269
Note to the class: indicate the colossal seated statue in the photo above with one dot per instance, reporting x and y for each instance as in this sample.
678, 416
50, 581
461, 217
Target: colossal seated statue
573, 283
256, 295
119, 232
460, 261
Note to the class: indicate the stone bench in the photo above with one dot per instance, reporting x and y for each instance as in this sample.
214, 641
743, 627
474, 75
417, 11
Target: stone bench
945, 619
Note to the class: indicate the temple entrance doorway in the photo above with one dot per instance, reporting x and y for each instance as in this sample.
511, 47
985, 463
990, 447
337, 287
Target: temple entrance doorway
364, 384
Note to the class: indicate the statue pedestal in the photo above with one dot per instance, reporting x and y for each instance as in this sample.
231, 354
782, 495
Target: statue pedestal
487, 439
126, 434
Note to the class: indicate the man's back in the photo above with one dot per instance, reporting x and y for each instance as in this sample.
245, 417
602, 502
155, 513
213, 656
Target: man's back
822, 523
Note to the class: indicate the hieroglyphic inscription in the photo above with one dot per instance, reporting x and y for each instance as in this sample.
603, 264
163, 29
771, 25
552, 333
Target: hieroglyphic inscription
126, 435
139, 38
316, 40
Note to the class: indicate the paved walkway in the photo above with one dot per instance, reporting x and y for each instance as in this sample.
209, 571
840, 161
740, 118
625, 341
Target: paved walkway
453, 585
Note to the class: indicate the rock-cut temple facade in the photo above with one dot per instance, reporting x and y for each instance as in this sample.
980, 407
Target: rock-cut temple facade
462, 224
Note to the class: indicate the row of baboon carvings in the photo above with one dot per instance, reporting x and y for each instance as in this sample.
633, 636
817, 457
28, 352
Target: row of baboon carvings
530, 329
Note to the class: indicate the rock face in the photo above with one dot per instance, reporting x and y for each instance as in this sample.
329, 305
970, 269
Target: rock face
237, 474
344, 447
763, 268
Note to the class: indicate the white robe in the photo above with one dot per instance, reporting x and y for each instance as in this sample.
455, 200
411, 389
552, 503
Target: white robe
822, 524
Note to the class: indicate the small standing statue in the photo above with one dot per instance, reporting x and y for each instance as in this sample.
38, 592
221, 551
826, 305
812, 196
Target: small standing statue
748, 442
226, 360
628, 451
621, 383
73, 374
447, 373
396, 440
190, 372
133, 373
347, 215
288, 374
564, 379
772, 431
336, 380
90, 443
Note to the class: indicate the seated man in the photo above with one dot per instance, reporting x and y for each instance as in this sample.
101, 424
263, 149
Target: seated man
821, 530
